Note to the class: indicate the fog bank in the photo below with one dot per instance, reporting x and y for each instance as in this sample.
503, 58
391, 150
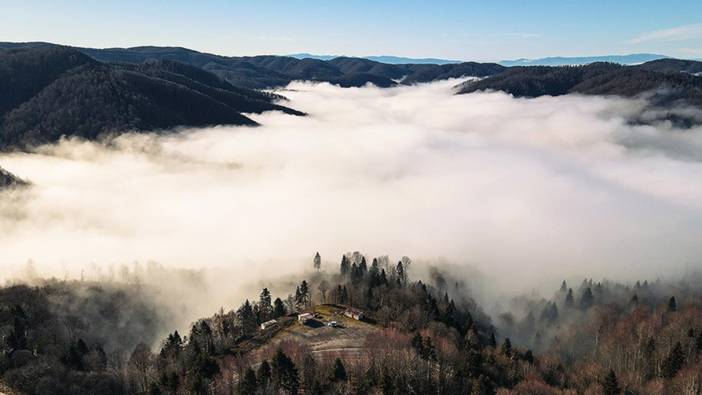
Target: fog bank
523, 190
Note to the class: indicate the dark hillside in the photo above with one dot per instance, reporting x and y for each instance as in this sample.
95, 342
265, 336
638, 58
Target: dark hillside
50, 92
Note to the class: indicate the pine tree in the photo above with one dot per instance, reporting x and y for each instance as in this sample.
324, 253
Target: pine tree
564, 286
634, 300
383, 278
247, 318
284, 373
363, 266
264, 373
507, 347
587, 300
401, 274
529, 356
672, 304
278, 308
610, 385
265, 307
339, 371
317, 261
569, 300
493, 341
673, 362
17, 339
345, 266
305, 294
248, 384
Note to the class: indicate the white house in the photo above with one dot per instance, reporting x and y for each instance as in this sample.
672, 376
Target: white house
268, 324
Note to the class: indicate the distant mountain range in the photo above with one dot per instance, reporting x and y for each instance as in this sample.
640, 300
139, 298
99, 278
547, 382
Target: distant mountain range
381, 58
582, 60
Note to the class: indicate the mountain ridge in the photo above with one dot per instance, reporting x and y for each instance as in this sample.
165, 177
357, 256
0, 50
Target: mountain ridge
629, 59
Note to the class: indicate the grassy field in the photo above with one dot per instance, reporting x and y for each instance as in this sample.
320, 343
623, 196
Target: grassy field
347, 339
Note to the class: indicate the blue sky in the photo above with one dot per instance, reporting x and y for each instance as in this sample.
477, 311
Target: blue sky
466, 30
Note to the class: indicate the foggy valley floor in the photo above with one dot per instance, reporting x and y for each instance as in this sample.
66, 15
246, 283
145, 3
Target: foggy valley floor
497, 200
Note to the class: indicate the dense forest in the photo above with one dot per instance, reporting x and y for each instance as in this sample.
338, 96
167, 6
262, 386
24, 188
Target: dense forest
670, 86
267, 71
47, 93
357, 326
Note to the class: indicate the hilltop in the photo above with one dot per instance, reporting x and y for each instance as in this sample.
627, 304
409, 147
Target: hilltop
361, 328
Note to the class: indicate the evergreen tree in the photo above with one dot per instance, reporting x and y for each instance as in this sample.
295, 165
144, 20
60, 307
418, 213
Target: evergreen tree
493, 341
587, 300
317, 261
672, 304
401, 274
263, 375
610, 385
634, 300
247, 318
17, 338
248, 384
507, 347
305, 294
564, 286
673, 362
339, 371
278, 308
345, 266
363, 266
284, 373
383, 277
569, 300
265, 307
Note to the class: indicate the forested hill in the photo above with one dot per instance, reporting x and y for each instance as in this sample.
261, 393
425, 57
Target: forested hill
267, 71
667, 82
358, 326
48, 91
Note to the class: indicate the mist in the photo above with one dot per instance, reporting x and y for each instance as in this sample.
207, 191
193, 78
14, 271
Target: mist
523, 191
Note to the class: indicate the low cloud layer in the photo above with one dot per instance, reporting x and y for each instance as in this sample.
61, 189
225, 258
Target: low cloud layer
524, 190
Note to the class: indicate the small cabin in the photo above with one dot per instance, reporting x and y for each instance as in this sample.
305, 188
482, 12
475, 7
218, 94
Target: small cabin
268, 324
304, 317
355, 314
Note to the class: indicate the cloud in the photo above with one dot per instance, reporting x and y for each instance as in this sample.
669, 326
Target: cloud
524, 190
679, 33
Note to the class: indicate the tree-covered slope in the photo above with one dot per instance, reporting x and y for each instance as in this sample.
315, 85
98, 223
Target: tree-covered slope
267, 71
49, 92
667, 84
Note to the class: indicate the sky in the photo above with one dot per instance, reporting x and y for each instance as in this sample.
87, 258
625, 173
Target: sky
461, 30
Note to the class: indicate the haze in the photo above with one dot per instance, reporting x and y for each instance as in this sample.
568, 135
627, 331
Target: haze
524, 190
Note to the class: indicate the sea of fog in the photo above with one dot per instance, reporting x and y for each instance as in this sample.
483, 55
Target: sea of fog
523, 191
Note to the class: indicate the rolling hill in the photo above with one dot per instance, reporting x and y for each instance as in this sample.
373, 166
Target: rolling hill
47, 92
268, 71
667, 84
